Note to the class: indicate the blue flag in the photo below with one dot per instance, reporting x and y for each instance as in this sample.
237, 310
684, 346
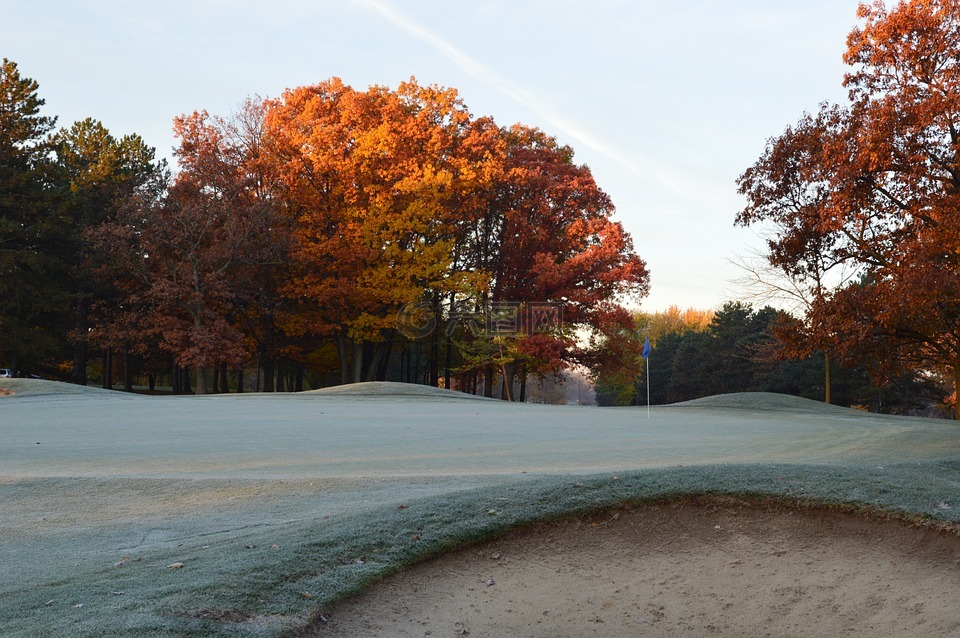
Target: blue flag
646, 347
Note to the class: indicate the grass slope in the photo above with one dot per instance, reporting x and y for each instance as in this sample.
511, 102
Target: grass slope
87, 548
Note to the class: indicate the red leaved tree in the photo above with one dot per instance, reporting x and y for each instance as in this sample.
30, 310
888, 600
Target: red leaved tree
877, 184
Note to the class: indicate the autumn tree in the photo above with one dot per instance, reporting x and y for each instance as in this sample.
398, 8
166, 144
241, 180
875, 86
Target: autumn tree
187, 251
886, 170
546, 236
372, 180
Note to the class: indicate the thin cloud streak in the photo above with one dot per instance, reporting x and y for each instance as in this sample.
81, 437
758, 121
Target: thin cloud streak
486, 75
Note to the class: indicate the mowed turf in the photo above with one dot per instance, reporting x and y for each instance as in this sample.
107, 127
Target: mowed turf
241, 515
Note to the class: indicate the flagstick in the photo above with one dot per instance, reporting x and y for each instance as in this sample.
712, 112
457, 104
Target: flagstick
648, 386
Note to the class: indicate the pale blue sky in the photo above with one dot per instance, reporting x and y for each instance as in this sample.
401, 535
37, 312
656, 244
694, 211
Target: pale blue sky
666, 102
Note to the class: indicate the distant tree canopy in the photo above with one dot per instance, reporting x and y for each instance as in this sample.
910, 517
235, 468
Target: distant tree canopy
351, 235
738, 351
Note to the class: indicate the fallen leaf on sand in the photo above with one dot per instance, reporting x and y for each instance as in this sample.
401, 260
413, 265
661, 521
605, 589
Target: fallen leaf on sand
489, 582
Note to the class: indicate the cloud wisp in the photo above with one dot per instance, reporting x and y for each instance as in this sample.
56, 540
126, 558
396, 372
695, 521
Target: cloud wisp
488, 76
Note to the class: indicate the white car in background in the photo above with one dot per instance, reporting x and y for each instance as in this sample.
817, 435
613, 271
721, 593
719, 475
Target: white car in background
5, 373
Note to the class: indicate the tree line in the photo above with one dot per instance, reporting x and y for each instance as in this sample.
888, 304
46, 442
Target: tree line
698, 353
329, 235
333, 235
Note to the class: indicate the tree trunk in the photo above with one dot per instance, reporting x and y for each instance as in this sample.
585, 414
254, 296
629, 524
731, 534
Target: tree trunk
373, 371
224, 386
239, 379
108, 368
523, 387
509, 371
826, 377
281, 370
152, 382
447, 362
956, 391
435, 344
488, 382
216, 380
416, 365
267, 374
298, 380
357, 362
80, 350
201, 380
127, 373
342, 352
385, 359
175, 378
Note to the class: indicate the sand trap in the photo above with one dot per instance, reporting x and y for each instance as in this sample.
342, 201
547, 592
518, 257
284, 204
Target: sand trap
705, 567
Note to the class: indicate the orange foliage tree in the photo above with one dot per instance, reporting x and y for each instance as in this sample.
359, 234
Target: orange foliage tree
876, 183
375, 182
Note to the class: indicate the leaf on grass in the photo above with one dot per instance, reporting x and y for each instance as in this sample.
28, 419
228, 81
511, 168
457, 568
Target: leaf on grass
274, 547
175, 566
306, 595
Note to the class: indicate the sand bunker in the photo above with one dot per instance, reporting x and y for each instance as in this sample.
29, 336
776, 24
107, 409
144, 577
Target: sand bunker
705, 567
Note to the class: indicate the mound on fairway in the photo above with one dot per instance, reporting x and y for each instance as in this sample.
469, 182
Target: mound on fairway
42, 387
763, 401
718, 567
392, 389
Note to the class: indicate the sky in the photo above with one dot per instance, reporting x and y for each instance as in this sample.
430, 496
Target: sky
666, 102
